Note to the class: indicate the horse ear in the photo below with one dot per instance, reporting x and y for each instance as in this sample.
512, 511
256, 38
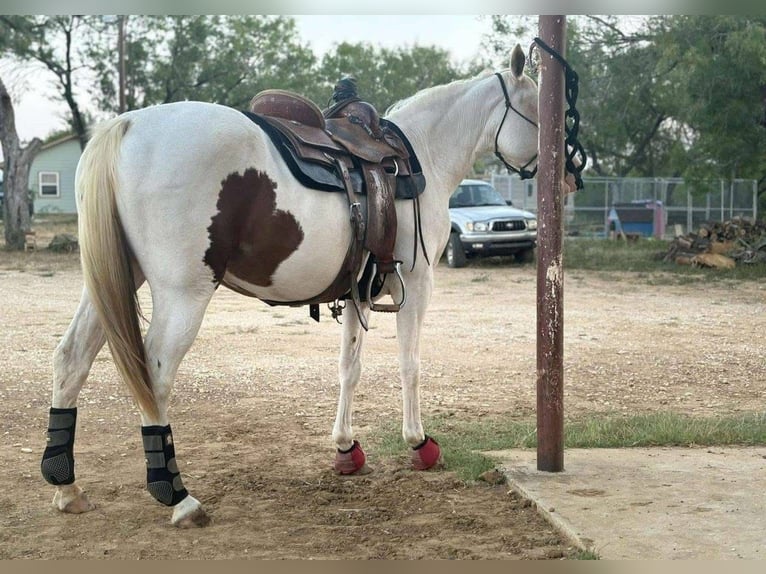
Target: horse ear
517, 61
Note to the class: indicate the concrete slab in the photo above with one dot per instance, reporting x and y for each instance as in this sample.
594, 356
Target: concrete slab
651, 503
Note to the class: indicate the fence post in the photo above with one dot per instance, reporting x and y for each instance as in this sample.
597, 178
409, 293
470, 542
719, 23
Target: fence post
550, 273
689, 208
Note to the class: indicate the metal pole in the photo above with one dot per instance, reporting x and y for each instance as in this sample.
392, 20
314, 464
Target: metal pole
550, 274
689, 209
723, 195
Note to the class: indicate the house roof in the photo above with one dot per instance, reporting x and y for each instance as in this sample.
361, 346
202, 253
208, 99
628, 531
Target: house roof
58, 141
50, 144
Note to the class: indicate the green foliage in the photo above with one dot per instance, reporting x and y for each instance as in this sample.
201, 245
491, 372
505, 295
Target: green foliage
457, 441
222, 59
716, 77
624, 128
587, 555
669, 95
666, 429
463, 441
385, 76
55, 44
604, 255
644, 260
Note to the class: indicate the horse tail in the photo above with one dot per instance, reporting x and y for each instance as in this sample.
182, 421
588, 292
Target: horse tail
106, 260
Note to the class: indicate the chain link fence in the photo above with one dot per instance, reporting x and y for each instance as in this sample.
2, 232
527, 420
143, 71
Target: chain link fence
680, 207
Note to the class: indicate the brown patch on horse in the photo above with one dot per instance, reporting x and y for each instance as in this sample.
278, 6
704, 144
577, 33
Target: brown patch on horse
249, 236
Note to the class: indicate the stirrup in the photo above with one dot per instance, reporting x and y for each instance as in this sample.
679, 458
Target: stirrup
386, 307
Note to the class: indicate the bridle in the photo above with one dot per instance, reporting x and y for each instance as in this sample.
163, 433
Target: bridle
523, 172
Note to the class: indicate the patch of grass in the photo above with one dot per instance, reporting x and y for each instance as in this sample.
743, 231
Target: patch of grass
586, 555
666, 429
481, 278
463, 441
603, 255
645, 258
40, 262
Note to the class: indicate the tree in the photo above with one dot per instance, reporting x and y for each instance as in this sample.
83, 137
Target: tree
52, 41
626, 126
385, 76
221, 59
674, 96
714, 88
16, 174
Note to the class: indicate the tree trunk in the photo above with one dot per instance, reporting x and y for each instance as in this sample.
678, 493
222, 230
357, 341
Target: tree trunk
18, 160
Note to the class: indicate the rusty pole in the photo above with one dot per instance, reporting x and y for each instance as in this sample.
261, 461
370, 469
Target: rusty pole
550, 273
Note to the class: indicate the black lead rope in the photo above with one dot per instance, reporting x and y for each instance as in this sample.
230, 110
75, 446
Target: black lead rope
573, 146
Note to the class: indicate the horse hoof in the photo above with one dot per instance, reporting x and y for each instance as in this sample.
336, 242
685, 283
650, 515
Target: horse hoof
197, 519
426, 454
189, 514
72, 500
351, 461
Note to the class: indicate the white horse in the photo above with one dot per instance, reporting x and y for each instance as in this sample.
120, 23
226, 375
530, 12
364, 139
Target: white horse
151, 184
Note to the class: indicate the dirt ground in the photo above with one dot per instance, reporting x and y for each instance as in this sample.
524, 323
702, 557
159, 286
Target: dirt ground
254, 405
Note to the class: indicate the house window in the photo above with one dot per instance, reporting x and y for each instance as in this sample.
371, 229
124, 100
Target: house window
49, 184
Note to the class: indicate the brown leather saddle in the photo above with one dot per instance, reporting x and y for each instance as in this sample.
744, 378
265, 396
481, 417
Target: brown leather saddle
349, 148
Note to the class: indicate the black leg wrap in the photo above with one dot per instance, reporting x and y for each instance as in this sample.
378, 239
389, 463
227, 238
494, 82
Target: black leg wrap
57, 466
162, 477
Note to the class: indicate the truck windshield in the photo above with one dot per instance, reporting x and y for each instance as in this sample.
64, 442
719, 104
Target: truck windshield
475, 196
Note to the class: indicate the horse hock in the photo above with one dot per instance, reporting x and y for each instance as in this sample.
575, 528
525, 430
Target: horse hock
163, 480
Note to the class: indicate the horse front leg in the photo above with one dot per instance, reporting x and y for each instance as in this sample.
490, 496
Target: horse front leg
409, 321
349, 458
72, 361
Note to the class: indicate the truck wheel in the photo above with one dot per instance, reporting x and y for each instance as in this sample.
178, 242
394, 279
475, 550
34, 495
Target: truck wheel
455, 254
526, 256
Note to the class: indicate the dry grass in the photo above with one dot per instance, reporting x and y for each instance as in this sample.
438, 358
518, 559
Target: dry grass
46, 226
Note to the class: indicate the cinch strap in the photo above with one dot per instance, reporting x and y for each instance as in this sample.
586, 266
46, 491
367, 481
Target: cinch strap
163, 480
57, 466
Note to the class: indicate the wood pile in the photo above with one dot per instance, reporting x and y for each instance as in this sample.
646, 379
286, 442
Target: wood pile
64, 243
722, 244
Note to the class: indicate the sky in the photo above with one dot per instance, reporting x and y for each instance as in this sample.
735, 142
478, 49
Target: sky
461, 35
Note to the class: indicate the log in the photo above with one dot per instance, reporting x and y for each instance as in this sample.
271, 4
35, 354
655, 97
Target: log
736, 240
713, 260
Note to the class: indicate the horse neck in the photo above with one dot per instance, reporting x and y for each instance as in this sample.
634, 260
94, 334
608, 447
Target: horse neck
449, 126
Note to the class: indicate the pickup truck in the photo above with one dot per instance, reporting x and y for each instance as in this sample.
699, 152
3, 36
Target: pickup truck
484, 224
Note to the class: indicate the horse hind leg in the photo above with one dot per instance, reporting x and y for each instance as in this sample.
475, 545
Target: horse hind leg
176, 317
72, 361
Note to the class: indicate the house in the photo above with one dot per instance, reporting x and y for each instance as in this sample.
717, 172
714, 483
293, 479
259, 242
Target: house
51, 176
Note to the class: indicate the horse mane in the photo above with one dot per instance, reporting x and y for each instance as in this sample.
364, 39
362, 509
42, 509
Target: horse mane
433, 91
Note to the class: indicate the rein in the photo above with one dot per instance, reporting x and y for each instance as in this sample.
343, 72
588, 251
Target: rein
571, 89
571, 129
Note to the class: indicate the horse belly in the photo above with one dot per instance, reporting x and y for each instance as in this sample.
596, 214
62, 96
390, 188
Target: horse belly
277, 242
